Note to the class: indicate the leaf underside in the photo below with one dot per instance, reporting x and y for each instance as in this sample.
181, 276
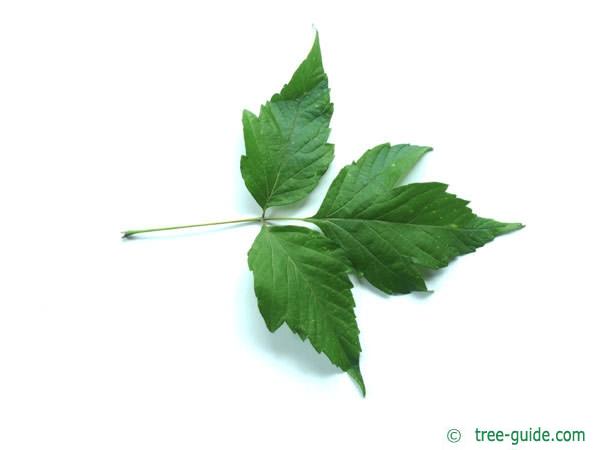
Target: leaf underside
286, 144
390, 233
300, 278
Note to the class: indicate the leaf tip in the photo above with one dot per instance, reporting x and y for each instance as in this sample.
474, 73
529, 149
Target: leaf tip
509, 227
316, 30
315, 50
356, 375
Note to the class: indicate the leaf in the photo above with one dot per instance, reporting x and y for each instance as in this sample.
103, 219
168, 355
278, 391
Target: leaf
286, 145
377, 171
390, 234
300, 278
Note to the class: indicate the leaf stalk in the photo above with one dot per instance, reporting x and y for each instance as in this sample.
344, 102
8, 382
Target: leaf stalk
130, 233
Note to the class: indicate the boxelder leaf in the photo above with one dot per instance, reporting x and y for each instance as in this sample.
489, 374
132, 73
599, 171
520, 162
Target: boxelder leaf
390, 233
300, 278
387, 233
286, 145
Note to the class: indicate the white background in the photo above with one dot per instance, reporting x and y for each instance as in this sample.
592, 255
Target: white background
125, 114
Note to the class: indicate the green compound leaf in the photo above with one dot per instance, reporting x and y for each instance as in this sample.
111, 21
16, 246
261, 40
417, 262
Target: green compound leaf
390, 233
300, 278
286, 145
386, 233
